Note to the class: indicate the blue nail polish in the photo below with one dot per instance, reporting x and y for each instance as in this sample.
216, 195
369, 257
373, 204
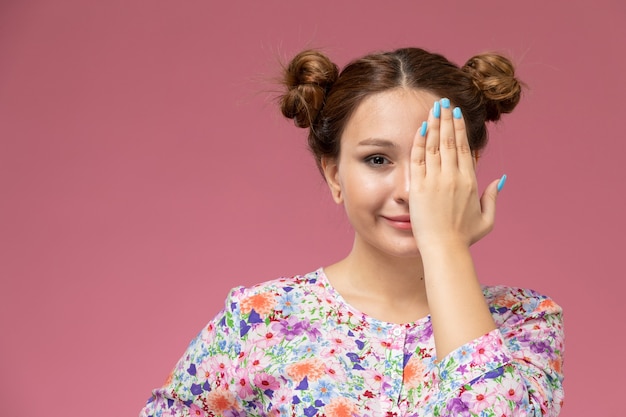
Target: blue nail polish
456, 113
445, 103
437, 110
501, 183
423, 129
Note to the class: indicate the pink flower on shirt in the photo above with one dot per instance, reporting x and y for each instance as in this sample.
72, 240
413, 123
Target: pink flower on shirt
513, 392
195, 411
204, 371
266, 381
339, 342
257, 361
219, 364
335, 370
282, 396
478, 399
264, 336
242, 383
375, 380
483, 353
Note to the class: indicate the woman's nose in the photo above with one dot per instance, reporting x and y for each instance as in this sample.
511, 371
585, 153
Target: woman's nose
402, 184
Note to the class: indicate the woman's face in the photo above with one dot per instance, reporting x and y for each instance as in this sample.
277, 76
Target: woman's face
371, 175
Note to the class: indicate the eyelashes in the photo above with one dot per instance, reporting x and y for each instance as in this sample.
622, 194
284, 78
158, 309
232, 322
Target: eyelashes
377, 160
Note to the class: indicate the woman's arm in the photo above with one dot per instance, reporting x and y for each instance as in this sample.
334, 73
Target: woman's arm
447, 216
485, 366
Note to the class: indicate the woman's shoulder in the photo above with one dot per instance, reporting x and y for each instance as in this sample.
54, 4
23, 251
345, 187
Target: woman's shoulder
290, 286
505, 301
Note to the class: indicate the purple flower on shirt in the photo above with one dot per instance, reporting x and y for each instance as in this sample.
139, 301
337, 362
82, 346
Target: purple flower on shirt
289, 328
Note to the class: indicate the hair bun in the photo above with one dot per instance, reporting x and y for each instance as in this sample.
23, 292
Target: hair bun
494, 76
308, 77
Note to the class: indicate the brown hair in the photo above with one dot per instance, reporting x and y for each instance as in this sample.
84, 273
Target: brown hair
320, 98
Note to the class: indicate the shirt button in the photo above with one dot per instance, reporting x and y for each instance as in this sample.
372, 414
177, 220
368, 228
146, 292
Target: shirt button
397, 331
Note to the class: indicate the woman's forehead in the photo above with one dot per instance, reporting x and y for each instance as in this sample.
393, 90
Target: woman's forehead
389, 115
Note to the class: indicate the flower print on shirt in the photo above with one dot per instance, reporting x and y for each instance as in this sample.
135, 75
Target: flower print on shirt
288, 328
312, 369
243, 387
479, 399
294, 347
482, 353
341, 407
265, 382
414, 373
195, 411
287, 303
263, 303
338, 342
263, 336
221, 400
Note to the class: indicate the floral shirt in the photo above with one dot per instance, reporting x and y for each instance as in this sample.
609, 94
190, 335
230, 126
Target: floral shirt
294, 347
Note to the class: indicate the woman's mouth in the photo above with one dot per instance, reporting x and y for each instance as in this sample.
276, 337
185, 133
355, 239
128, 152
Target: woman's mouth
402, 222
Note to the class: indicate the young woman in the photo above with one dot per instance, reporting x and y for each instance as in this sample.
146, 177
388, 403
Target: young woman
401, 326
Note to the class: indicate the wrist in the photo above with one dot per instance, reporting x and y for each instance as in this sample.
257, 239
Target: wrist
443, 245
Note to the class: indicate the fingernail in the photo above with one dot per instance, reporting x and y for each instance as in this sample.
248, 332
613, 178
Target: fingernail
445, 103
437, 110
456, 113
423, 128
501, 183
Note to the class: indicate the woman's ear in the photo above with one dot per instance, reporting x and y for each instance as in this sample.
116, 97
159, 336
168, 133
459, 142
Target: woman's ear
331, 173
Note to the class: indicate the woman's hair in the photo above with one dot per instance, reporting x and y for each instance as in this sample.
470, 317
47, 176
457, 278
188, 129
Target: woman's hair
322, 99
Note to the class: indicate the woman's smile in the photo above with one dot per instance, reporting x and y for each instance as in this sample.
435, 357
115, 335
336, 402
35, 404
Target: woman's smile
402, 222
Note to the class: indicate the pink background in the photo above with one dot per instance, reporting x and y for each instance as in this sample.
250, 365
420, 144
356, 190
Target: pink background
145, 170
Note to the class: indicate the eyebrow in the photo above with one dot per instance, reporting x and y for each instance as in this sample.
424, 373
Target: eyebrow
377, 142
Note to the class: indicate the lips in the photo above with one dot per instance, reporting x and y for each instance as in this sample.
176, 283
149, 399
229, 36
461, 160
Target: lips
402, 222
401, 218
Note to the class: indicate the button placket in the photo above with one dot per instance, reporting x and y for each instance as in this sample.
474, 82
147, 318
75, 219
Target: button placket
396, 340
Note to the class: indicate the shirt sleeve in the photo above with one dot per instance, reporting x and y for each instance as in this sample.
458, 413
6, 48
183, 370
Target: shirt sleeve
199, 385
514, 370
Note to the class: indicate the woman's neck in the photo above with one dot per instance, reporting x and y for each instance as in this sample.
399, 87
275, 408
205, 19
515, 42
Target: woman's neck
385, 287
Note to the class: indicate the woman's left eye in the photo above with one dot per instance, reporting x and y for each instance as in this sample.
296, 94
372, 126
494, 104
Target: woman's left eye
376, 160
